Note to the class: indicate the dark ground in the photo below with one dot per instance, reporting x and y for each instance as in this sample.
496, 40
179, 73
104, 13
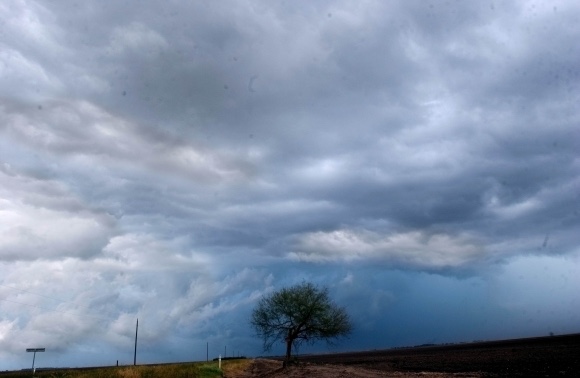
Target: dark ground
552, 356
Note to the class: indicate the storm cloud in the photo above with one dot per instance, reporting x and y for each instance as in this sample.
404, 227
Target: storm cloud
174, 161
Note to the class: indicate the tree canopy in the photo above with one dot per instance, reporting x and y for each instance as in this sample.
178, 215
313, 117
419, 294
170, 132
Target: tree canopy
299, 314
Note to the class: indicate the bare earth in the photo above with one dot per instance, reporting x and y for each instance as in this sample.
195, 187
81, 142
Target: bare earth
273, 369
556, 356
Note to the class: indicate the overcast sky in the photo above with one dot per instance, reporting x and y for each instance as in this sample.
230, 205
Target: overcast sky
173, 161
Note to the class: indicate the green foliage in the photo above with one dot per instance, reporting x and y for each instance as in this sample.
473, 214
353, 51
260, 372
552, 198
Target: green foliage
298, 314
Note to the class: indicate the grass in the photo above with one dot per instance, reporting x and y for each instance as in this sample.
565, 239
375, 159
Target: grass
185, 370
230, 367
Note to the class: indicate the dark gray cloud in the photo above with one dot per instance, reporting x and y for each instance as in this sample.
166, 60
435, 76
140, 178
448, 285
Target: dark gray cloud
173, 162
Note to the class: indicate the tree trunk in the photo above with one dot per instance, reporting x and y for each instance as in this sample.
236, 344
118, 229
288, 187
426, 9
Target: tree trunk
288, 349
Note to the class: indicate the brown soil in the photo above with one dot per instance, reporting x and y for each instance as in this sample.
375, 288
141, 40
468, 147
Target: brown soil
273, 369
557, 356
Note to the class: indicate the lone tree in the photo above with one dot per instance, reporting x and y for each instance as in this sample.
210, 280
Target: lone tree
299, 314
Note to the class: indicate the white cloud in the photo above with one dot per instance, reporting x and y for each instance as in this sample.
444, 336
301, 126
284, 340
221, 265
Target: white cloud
137, 38
514, 210
142, 252
6, 327
29, 48
348, 279
413, 249
207, 298
18, 70
43, 219
81, 129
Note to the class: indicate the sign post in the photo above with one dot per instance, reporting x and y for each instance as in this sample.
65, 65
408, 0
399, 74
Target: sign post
34, 355
135, 354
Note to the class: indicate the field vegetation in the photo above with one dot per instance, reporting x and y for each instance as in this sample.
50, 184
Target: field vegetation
184, 370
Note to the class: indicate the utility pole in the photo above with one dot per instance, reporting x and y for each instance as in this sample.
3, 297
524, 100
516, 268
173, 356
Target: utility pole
207, 351
135, 353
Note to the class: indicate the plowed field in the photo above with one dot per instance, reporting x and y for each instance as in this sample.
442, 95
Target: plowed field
556, 356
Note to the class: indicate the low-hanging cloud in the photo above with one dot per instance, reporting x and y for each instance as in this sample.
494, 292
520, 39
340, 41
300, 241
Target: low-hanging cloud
415, 249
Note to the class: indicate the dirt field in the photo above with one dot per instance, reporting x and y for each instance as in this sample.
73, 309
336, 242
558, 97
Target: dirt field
273, 369
556, 356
